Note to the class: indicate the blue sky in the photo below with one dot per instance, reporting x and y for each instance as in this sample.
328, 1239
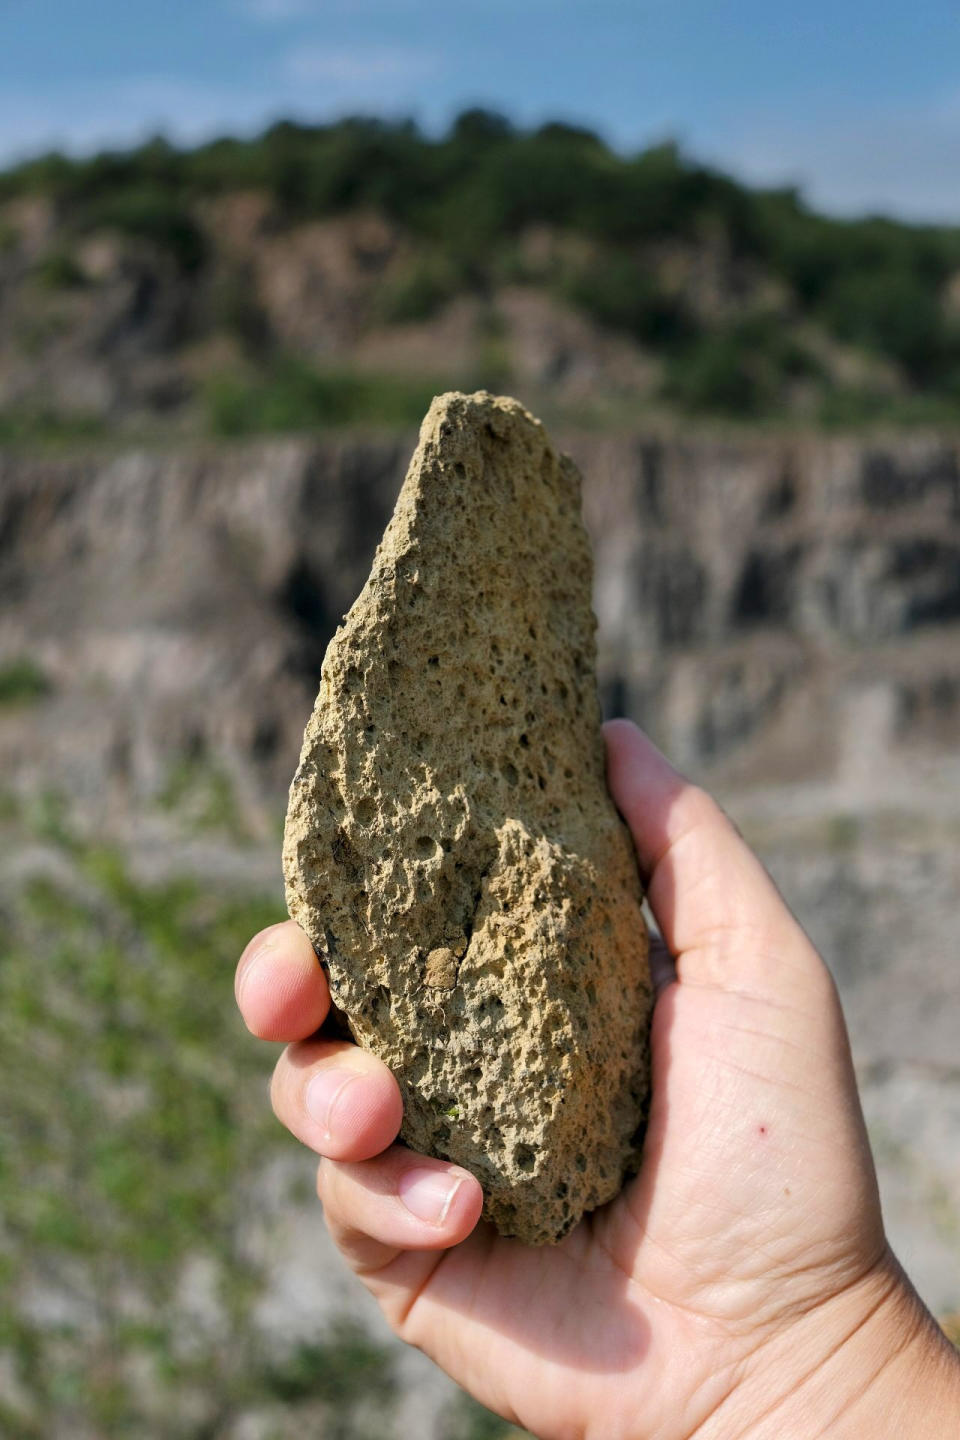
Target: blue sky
858, 102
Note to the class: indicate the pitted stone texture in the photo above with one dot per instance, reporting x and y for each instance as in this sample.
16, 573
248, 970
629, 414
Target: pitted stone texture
451, 848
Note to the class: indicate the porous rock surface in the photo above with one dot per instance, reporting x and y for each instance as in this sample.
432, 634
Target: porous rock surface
451, 847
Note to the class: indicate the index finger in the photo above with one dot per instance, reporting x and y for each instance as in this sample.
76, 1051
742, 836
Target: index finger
280, 986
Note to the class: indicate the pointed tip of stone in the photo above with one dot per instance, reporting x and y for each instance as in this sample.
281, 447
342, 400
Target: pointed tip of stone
477, 407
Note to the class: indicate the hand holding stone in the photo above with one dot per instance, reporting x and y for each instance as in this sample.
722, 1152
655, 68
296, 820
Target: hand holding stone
741, 1285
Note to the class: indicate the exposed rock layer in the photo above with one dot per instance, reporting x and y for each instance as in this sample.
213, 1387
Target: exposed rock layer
451, 847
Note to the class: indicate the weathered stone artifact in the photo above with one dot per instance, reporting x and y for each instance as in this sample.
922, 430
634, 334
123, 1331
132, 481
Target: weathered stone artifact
451, 847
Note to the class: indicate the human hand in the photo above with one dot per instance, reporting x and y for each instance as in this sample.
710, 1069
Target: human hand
741, 1284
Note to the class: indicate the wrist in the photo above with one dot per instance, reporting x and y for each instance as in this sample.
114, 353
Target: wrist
870, 1361
909, 1374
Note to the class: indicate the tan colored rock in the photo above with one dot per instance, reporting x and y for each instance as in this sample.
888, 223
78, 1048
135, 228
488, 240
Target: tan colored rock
451, 848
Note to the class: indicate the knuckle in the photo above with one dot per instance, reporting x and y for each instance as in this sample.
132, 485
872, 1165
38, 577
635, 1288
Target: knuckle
701, 814
700, 806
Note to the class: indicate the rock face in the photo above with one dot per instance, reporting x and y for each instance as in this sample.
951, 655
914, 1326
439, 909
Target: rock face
451, 848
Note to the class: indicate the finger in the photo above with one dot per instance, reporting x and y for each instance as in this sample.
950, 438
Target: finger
717, 908
401, 1201
280, 987
340, 1100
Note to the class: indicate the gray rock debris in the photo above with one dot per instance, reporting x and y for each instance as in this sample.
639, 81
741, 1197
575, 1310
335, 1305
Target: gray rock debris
451, 847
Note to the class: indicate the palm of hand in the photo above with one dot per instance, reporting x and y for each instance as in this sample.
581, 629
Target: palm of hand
671, 1289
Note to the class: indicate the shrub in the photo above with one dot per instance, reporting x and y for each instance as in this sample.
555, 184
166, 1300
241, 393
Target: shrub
430, 282
295, 396
618, 291
27, 426
719, 373
739, 371
22, 681
894, 312
58, 271
234, 307
150, 212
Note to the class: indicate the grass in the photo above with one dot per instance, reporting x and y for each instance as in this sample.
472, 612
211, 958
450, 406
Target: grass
293, 396
132, 1111
134, 1131
852, 408
469, 1421
38, 427
134, 1122
22, 681
201, 793
843, 833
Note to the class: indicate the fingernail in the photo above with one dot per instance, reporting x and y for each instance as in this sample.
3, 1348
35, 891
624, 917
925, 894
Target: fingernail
428, 1194
323, 1094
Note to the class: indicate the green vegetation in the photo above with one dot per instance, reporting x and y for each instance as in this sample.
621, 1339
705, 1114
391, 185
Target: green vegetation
203, 797
138, 1156
235, 309
58, 270
22, 681
642, 242
843, 833
132, 1118
429, 283
133, 1126
345, 1376
30, 426
150, 212
470, 1421
739, 370
293, 395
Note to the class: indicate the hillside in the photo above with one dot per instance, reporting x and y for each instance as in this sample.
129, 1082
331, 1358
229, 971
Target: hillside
342, 274
779, 606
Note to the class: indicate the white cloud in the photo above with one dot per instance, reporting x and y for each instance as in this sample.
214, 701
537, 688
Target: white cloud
312, 84
271, 11
360, 67
277, 12
82, 119
902, 162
